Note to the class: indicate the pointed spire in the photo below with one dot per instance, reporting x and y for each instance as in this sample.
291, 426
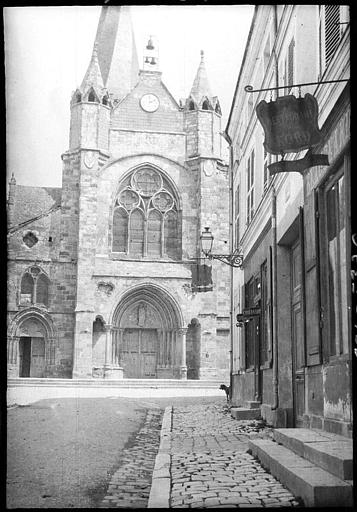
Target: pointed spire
201, 86
93, 77
116, 50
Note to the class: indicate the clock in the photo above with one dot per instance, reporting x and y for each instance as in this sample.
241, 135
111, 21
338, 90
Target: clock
149, 102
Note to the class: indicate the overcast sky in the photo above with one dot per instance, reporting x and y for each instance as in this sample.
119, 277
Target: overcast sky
48, 49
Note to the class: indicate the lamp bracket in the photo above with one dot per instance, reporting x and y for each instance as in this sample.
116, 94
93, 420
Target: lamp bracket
234, 260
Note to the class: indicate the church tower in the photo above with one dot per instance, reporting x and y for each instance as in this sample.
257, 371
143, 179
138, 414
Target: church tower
141, 178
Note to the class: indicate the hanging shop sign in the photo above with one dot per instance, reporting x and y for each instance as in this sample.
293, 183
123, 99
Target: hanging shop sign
290, 124
248, 313
201, 278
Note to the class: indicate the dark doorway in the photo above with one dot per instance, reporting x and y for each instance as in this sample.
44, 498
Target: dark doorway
193, 349
25, 356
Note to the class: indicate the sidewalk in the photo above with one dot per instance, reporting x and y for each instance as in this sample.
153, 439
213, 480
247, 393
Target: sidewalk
203, 462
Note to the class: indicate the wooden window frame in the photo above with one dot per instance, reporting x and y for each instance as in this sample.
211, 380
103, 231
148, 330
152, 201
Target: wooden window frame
341, 169
250, 171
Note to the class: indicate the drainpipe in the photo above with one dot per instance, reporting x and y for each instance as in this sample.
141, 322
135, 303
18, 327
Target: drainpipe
275, 305
231, 196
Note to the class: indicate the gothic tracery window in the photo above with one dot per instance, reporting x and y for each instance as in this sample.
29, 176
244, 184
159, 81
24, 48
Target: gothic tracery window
146, 217
34, 287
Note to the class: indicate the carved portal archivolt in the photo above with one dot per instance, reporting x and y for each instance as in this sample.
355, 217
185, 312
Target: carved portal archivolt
31, 344
146, 339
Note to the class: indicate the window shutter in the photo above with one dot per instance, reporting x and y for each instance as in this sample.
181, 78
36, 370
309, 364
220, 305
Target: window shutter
332, 30
312, 295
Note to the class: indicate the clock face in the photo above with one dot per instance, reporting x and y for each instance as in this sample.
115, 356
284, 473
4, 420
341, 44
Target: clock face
150, 102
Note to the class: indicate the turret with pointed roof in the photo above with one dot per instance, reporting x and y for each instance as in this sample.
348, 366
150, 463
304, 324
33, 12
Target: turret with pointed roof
201, 95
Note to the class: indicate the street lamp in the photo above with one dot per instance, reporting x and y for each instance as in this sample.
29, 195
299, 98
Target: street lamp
234, 260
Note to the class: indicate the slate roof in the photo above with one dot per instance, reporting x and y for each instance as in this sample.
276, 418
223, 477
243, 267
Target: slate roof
33, 201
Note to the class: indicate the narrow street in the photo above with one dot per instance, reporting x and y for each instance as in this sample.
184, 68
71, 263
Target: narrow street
75, 453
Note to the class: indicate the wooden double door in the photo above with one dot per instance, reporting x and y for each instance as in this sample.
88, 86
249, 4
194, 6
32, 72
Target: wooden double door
139, 353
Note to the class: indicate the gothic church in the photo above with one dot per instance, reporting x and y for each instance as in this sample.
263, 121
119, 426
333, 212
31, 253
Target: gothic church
100, 270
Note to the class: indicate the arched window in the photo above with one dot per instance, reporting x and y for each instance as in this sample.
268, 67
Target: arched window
136, 242
27, 288
34, 287
145, 217
205, 105
78, 97
105, 100
120, 230
154, 233
191, 106
42, 290
171, 234
91, 96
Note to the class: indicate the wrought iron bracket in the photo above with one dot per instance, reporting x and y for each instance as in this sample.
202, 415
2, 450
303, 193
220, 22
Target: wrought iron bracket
233, 260
249, 88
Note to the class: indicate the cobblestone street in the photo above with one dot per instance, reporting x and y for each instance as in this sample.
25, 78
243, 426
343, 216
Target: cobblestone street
210, 466
130, 484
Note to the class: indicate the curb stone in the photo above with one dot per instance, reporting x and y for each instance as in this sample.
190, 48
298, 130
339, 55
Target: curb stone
161, 478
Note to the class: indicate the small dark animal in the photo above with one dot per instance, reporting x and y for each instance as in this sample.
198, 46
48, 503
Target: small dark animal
227, 389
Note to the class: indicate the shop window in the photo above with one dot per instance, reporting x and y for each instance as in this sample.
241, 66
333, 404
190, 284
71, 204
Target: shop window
146, 217
265, 319
34, 287
336, 265
250, 325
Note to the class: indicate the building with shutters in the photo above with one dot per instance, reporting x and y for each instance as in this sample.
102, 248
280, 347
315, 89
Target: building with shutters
99, 271
292, 349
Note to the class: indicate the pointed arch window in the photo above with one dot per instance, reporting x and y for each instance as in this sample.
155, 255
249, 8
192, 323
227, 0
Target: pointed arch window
146, 217
34, 287
205, 105
78, 97
91, 96
191, 106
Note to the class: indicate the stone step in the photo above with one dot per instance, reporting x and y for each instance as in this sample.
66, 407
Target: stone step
242, 413
331, 452
251, 404
315, 486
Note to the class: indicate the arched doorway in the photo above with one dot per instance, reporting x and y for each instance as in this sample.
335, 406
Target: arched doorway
146, 330
31, 344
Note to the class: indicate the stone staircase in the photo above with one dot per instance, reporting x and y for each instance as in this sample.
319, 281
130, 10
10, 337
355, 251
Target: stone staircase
314, 465
251, 411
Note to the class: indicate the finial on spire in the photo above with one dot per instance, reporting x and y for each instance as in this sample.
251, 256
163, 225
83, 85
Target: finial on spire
202, 55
